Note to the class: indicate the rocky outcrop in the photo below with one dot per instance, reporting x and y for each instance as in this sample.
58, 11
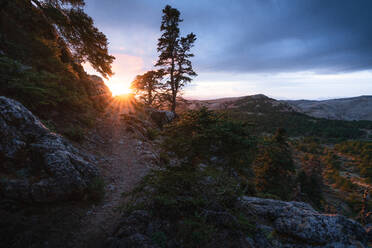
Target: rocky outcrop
37, 165
278, 224
297, 224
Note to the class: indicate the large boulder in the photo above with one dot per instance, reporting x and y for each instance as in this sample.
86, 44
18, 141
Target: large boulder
37, 165
278, 224
297, 224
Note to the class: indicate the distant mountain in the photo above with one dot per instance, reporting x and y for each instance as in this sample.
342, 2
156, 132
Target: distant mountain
254, 104
354, 108
266, 115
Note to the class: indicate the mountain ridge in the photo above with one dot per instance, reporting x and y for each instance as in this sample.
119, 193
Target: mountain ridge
351, 108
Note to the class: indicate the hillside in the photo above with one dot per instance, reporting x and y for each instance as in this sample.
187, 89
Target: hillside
267, 114
255, 104
80, 168
354, 108
41, 63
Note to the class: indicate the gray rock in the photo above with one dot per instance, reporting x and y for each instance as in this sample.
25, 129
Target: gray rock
300, 222
162, 117
57, 169
133, 241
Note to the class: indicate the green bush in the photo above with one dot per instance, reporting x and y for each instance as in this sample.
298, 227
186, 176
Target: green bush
75, 133
152, 133
274, 168
199, 135
183, 196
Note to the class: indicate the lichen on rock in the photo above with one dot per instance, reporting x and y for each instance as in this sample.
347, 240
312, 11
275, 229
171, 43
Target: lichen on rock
38, 165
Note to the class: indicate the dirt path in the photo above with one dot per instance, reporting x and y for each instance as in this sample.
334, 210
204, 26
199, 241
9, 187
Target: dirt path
122, 168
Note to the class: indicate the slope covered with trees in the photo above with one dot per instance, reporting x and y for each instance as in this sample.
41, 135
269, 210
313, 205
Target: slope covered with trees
42, 47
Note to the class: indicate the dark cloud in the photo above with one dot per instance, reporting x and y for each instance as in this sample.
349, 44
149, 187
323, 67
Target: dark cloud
327, 36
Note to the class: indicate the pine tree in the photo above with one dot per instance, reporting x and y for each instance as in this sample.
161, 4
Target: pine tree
77, 30
147, 86
175, 54
274, 167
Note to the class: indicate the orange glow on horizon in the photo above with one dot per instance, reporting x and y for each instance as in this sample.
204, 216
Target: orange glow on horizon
125, 68
122, 104
118, 89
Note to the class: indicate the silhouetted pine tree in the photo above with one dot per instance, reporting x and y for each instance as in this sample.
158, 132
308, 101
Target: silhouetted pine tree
175, 54
147, 86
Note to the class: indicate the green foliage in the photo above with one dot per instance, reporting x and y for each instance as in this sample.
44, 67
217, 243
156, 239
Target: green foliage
174, 58
40, 60
362, 151
200, 201
300, 125
202, 134
152, 133
77, 32
354, 201
310, 145
75, 133
355, 147
273, 166
40, 91
160, 239
311, 185
185, 197
147, 86
86, 40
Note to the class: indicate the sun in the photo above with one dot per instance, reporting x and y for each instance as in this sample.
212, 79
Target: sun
119, 88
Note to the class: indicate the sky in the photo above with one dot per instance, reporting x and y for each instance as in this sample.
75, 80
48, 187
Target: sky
286, 49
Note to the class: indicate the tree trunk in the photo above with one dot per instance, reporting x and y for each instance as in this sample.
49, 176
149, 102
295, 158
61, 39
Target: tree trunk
174, 102
174, 93
149, 101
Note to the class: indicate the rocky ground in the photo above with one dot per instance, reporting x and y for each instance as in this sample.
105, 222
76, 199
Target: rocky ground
124, 160
122, 157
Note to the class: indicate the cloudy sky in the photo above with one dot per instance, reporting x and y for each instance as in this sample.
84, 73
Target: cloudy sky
287, 49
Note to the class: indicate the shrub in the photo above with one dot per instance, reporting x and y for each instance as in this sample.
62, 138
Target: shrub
75, 133
199, 135
152, 133
274, 168
185, 196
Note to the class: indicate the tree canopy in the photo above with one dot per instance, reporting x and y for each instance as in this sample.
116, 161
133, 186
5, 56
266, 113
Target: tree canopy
77, 30
174, 57
147, 87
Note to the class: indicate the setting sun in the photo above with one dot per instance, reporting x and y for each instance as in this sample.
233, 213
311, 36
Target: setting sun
119, 88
